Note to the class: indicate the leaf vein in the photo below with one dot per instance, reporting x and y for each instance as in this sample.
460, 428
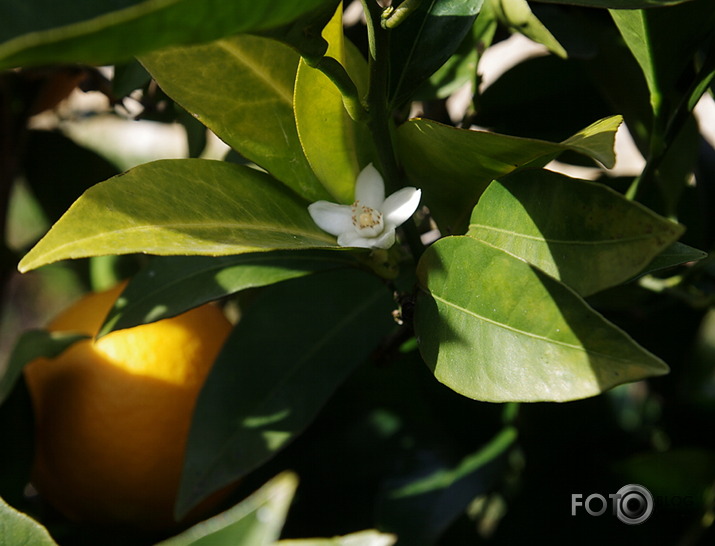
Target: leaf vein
258, 71
631, 239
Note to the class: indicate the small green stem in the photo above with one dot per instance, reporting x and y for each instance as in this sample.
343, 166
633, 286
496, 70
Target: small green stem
341, 79
379, 121
663, 137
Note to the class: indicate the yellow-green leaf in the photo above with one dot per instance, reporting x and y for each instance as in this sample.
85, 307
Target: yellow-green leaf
336, 146
454, 166
184, 206
242, 89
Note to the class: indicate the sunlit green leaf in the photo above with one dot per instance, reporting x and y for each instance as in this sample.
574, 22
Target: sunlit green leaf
361, 538
495, 328
18, 529
255, 521
31, 345
182, 206
170, 285
40, 31
424, 41
335, 145
517, 15
242, 89
264, 389
454, 166
582, 233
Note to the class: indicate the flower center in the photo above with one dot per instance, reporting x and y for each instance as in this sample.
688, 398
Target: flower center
367, 221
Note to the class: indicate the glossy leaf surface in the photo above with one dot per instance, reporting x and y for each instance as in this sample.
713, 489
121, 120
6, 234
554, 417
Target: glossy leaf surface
242, 89
264, 388
184, 206
424, 41
334, 144
107, 32
454, 166
19, 529
170, 285
495, 328
582, 233
255, 521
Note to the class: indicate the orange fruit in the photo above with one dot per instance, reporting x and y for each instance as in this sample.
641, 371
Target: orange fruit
113, 415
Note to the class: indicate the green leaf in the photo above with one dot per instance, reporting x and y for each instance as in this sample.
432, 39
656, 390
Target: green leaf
495, 328
180, 206
663, 41
242, 89
675, 254
289, 352
517, 15
171, 285
38, 32
582, 233
431, 502
255, 521
616, 4
454, 166
31, 345
18, 529
424, 41
304, 34
361, 538
336, 146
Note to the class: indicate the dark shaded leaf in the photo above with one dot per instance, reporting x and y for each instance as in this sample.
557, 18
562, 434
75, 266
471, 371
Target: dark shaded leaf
290, 351
41, 31
31, 345
424, 41
171, 285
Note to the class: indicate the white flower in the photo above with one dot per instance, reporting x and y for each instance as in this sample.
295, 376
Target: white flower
371, 220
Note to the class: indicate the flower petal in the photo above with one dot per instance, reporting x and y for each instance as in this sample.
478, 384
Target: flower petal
386, 240
401, 205
330, 217
370, 188
355, 240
